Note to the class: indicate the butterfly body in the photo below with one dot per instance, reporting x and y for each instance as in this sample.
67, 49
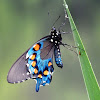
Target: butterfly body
37, 62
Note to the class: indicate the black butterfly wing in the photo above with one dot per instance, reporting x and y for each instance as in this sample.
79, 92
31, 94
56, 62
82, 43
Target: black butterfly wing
19, 72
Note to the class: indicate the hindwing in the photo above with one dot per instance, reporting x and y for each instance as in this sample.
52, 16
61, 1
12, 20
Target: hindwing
40, 62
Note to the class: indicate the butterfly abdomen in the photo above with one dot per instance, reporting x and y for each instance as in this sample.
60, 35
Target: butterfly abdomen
58, 59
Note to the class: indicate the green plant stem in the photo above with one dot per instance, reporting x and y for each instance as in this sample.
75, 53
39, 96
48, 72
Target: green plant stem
90, 80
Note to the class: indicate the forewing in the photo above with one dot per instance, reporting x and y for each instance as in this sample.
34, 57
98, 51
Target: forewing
18, 72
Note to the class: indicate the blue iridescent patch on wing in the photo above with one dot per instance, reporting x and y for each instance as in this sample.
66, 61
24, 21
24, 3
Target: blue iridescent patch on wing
39, 63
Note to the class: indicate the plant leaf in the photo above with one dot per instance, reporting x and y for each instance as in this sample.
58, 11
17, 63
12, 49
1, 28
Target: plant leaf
90, 80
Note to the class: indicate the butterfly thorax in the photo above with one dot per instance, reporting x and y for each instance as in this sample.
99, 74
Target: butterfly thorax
55, 36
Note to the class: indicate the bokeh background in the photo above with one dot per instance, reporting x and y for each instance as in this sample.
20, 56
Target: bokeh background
23, 22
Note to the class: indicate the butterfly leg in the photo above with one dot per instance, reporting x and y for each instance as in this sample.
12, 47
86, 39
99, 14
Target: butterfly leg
70, 48
69, 45
65, 32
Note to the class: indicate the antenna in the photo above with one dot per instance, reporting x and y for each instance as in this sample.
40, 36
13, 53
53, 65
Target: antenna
63, 23
56, 20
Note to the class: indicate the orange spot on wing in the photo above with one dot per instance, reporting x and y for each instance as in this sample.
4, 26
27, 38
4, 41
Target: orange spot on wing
36, 47
39, 76
34, 63
33, 57
49, 64
45, 72
35, 71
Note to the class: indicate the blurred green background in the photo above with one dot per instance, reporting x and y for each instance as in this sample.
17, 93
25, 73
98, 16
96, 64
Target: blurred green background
23, 22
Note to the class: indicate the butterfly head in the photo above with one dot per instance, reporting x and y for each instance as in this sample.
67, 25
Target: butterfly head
55, 36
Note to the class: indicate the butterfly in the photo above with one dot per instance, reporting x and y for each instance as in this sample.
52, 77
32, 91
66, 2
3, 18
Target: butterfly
37, 62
